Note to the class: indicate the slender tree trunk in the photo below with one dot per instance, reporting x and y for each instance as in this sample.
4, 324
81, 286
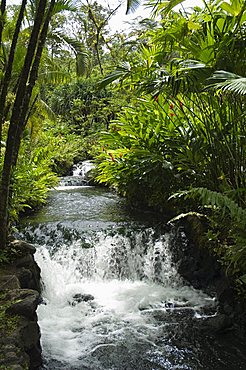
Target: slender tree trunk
2, 10
31, 82
17, 120
7, 76
99, 27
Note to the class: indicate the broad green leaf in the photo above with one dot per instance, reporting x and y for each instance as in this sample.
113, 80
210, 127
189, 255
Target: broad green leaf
233, 9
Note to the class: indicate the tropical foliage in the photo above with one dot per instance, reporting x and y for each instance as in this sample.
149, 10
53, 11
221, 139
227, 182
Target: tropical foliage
185, 133
161, 109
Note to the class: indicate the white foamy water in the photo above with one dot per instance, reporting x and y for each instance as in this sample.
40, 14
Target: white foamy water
83, 168
129, 285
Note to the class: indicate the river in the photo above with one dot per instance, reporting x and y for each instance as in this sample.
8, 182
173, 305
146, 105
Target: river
112, 298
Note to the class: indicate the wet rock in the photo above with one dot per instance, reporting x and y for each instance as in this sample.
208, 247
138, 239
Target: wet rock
20, 336
8, 282
216, 323
22, 248
30, 336
24, 265
78, 298
25, 303
19, 333
195, 262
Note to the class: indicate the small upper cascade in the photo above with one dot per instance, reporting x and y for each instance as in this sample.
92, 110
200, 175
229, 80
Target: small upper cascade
82, 169
80, 176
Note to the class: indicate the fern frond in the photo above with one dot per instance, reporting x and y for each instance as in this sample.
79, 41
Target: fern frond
215, 199
184, 215
56, 77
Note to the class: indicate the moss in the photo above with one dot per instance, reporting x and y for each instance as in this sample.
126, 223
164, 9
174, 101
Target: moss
12, 367
8, 324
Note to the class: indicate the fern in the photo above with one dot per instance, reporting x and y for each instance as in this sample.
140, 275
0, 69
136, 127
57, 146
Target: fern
215, 199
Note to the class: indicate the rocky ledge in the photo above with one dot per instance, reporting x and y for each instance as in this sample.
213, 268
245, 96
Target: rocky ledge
19, 297
198, 265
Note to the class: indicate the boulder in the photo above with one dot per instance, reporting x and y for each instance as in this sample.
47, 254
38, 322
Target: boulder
22, 248
215, 324
20, 286
27, 270
77, 298
25, 302
8, 282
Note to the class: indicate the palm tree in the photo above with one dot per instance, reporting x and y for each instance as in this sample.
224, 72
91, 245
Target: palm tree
23, 94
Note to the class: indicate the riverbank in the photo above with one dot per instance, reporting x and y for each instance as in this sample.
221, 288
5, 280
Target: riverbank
199, 264
19, 297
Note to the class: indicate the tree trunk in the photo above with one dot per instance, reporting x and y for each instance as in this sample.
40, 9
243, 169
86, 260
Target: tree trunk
31, 82
17, 120
2, 10
8, 70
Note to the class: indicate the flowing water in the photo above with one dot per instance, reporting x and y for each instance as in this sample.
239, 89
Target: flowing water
112, 299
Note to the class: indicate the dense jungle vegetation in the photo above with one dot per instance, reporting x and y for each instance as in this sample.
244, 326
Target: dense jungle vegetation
160, 109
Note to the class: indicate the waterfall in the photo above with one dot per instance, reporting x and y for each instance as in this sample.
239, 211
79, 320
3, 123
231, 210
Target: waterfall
112, 297
107, 294
83, 168
80, 177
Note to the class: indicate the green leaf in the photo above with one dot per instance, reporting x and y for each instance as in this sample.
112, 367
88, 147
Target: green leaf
122, 71
243, 279
233, 9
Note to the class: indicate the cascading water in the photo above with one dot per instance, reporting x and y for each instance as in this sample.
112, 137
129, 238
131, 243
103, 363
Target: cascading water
102, 301
112, 299
83, 169
80, 175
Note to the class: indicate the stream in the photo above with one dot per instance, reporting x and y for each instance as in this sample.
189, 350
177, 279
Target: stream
112, 298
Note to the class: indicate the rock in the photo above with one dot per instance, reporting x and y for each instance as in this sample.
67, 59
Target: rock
226, 299
12, 354
195, 262
28, 272
8, 282
22, 248
77, 298
25, 276
20, 285
25, 302
217, 323
30, 334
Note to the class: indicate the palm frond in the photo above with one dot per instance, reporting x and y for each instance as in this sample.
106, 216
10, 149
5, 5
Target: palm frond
227, 81
170, 5
164, 7
79, 49
55, 77
47, 110
82, 63
186, 75
132, 5
68, 5
121, 72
